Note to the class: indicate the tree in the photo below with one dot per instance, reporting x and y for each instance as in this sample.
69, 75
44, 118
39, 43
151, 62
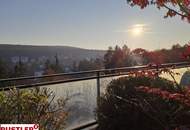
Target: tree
176, 46
174, 7
98, 63
126, 52
119, 57
142, 54
20, 69
186, 52
108, 58
57, 67
92, 64
52, 68
85, 65
156, 57
3, 69
126, 49
47, 64
74, 66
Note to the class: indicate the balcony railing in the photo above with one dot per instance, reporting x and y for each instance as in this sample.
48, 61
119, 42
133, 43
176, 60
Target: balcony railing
37, 81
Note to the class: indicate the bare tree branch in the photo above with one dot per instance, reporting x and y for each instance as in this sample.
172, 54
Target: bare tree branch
178, 13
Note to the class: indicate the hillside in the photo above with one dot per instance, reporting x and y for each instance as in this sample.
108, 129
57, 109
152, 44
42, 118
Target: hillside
66, 54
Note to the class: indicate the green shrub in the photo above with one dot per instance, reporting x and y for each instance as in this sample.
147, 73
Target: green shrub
122, 107
34, 106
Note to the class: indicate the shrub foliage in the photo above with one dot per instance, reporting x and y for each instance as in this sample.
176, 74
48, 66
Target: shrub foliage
125, 107
32, 106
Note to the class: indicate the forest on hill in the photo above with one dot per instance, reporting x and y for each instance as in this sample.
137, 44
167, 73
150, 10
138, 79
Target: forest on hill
34, 60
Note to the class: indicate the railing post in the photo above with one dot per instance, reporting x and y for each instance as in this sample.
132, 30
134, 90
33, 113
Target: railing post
98, 85
98, 93
157, 70
18, 107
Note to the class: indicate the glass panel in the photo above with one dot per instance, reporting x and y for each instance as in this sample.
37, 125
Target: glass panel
81, 102
182, 78
105, 81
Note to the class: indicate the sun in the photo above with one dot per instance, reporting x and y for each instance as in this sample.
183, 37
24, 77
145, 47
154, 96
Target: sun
137, 29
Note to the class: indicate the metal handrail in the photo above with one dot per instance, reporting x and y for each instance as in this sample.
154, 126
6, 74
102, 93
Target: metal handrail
176, 65
86, 125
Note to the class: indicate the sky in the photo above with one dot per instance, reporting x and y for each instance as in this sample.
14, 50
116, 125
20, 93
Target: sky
92, 24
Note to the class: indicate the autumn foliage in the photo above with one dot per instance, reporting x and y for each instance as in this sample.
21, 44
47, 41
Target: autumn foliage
144, 101
181, 97
124, 56
173, 7
35, 105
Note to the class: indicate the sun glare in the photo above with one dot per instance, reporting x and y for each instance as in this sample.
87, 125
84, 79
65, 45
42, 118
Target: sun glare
137, 29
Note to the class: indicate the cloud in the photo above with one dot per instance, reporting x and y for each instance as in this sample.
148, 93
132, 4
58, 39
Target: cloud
145, 27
